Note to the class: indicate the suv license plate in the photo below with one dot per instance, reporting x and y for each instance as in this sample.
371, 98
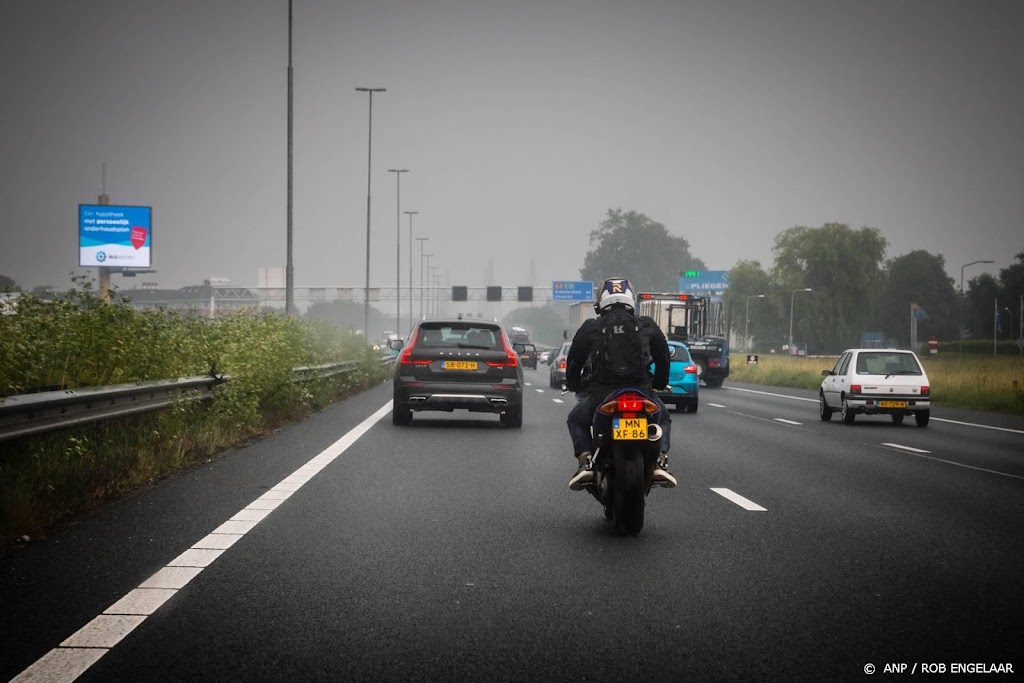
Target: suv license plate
459, 365
892, 404
629, 429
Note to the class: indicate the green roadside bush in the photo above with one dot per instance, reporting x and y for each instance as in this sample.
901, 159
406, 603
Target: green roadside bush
81, 341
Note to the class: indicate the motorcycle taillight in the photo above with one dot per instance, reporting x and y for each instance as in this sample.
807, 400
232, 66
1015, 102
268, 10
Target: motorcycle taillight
629, 403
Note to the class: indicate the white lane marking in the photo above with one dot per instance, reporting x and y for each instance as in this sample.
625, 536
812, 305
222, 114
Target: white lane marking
61, 664
539, 391
739, 500
789, 422
934, 419
716, 405
83, 648
558, 400
905, 448
958, 464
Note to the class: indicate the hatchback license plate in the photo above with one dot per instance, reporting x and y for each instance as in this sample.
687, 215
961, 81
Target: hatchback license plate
892, 404
629, 429
459, 365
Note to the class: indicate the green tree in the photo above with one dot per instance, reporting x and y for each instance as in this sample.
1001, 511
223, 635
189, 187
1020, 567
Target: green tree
631, 245
7, 282
1011, 280
747, 280
980, 305
843, 267
921, 278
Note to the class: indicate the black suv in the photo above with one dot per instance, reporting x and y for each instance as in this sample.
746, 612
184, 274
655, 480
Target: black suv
458, 364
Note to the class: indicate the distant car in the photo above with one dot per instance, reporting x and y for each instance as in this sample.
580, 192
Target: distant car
456, 364
683, 378
556, 375
545, 357
876, 382
528, 356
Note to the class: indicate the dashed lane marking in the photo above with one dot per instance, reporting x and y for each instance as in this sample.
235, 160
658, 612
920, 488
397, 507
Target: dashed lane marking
934, 419
916, 452
905, 448
739, 500
716, 405
789, 422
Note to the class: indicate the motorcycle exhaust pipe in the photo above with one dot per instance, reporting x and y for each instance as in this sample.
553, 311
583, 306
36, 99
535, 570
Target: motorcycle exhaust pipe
654, 432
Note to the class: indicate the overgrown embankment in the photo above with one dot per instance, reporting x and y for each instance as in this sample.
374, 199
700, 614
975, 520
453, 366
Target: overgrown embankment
79, 341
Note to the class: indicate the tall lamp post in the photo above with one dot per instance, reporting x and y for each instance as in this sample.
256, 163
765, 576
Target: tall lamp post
791, 302
369, 164
435, 280
410, 214
427, 256
398, 247
289, 270
960, 332
746, 331
421, 240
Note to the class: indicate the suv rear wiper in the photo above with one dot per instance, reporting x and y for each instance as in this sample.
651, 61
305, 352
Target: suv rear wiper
903, 372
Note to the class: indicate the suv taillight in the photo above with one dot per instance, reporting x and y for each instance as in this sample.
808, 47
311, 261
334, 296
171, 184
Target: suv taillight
854, 388
926, 391
406, 357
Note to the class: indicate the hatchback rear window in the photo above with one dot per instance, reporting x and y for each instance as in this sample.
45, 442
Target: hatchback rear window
887, 363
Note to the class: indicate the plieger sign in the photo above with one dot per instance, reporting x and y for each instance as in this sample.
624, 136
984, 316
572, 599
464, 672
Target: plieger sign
115, 236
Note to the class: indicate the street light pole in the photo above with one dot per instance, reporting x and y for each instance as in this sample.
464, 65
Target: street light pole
792, 297
421, 240
960, 332
369, 165
746, 331
428, 282
398, 248
436, 280
289, 270
410, 214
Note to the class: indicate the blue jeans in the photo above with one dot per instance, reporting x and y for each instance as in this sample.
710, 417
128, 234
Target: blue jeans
582, 415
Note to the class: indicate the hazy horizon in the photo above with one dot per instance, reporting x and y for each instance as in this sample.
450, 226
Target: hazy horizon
521, 125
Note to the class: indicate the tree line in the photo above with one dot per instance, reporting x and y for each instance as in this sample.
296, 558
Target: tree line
854, 288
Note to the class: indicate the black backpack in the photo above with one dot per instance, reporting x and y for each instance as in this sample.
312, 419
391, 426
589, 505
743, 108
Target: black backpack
621, 354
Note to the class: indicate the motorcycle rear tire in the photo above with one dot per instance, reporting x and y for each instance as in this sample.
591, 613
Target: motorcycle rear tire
630, 490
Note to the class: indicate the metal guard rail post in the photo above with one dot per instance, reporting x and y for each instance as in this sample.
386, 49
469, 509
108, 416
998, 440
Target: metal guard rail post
29, 414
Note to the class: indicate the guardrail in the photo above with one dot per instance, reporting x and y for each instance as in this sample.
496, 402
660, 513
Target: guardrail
29, 414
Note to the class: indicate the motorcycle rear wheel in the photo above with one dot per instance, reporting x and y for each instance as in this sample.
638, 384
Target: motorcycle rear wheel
630, 490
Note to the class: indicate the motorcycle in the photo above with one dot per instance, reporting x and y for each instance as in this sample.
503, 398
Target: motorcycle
626, 435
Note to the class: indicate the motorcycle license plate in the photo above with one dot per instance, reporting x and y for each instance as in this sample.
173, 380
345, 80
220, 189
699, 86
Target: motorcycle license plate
459, 365
892, 404
629, 429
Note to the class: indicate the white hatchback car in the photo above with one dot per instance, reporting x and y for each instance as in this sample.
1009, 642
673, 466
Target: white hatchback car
876, 382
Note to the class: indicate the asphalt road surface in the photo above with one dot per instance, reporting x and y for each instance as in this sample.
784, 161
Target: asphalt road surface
346, 549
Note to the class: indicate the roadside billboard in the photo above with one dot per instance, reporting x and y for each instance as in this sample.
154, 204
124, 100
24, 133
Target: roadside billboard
115, 236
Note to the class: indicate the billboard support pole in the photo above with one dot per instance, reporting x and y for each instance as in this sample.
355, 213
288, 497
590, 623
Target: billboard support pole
103, 282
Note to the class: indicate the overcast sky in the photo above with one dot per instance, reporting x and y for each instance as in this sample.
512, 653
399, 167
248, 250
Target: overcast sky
521, 123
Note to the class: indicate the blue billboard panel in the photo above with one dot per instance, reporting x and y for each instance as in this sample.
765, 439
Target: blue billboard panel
115, 236
572, 290
704, 281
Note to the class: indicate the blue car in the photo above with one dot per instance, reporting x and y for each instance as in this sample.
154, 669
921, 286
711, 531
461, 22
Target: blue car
682, 378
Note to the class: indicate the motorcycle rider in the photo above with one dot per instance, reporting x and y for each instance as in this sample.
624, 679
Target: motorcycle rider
587, 376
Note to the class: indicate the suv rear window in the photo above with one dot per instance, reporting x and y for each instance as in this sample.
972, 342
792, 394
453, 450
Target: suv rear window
461, 335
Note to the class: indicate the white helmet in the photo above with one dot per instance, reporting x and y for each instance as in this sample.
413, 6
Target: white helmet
615, 290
